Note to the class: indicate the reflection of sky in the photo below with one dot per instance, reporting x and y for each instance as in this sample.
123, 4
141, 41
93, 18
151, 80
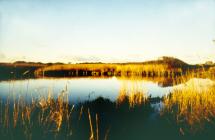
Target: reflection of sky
99, 30
78, 89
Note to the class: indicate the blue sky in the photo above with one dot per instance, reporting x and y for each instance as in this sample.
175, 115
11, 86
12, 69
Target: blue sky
106, 30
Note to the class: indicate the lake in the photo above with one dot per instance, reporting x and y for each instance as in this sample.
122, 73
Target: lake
80, 89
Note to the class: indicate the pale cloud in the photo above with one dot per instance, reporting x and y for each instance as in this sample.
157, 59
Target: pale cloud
85, 59
79, 59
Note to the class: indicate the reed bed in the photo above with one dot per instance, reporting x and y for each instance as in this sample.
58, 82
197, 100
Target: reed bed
46, 114
138, 69
134, 92
191, 105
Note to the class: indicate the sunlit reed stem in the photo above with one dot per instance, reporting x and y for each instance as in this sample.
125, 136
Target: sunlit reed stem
97, 127
91, 126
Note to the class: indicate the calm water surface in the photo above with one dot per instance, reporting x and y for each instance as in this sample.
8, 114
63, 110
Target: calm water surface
80, 89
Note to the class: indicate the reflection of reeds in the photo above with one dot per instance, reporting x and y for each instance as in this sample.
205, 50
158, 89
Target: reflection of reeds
192, 104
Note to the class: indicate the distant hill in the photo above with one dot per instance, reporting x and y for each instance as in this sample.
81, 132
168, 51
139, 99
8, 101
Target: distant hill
164, 60
173, 62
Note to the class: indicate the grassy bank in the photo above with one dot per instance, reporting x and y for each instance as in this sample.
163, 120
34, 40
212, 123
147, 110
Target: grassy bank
167, 67
18, 70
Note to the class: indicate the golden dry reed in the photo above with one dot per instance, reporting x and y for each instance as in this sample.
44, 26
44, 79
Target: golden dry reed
192, 103
114, 69
133, 90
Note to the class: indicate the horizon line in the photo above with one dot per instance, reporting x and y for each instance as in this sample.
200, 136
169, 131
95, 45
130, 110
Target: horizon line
105, 62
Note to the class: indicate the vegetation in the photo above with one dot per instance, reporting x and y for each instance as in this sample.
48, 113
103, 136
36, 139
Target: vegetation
18, 70
192, 106
163, 67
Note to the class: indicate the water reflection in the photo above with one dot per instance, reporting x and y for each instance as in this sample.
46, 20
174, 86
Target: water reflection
82, 89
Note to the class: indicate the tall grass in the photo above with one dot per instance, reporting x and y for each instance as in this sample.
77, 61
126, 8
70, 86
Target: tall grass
133, 91
192, 104
45, 113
